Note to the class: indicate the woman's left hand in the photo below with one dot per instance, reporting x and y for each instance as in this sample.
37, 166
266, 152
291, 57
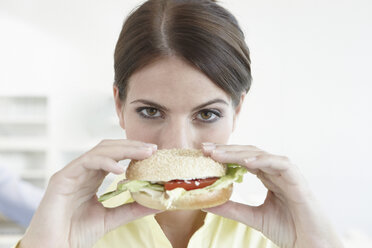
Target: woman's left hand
290, 215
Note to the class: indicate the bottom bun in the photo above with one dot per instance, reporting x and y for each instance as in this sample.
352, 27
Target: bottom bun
187, 201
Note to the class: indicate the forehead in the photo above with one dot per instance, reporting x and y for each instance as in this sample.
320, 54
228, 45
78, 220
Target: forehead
174, 82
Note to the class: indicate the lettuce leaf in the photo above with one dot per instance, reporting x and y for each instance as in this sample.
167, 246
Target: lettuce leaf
234, 173
132, 186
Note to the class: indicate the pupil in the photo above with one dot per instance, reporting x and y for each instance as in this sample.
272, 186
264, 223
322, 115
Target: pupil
151, 111
206, 115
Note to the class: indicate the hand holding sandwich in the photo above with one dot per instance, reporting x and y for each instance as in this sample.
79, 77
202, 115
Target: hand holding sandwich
70, 205
290, 216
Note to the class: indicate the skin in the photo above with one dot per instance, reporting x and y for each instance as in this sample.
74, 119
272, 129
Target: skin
170, 93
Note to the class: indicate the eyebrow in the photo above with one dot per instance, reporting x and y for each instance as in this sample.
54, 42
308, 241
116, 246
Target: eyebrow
217, 100
161, 107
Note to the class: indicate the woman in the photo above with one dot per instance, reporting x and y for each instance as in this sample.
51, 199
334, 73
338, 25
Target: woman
182, 70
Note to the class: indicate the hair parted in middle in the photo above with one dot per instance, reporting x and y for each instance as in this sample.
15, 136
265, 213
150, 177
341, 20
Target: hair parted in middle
201, 32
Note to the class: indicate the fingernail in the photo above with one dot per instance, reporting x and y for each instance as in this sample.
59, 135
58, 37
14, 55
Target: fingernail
208, 146
249, 160
152, 146
146, 148
218, 151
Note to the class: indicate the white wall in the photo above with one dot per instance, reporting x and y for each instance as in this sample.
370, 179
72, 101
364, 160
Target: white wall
310, 100
311, 97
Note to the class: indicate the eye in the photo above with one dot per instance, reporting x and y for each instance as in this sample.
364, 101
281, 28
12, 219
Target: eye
148, 112
208, 115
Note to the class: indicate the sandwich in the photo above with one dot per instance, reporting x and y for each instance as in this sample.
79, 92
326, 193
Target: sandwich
173, 179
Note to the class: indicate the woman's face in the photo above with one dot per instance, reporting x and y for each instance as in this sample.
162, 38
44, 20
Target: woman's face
174, 105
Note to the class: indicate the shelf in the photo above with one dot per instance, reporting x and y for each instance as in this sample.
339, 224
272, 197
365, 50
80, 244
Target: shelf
38, 183
19, 93
23, 121
36, 174
23, 144
10, 229
39, 134
42, 132
23, 108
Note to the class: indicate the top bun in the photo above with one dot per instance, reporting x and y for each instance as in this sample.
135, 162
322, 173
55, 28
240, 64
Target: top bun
171, 164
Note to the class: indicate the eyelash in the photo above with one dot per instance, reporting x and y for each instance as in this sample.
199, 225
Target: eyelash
215, 112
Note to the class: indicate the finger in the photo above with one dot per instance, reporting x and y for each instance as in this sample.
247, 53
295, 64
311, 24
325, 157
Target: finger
268, 163
266, 180
82, 165
271, 164
107, 164
207, 148
106, 158
103, 160
238, 157
126, 213
236, 149
253, 171
121, 152
248, 215
124, 142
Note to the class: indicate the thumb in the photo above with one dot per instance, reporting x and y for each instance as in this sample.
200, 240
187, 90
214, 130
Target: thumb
248, 215
126, 213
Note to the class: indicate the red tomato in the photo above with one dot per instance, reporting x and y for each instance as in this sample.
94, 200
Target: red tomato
190, 184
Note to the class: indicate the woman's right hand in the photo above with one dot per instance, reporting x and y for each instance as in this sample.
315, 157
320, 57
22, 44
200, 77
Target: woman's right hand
69, 214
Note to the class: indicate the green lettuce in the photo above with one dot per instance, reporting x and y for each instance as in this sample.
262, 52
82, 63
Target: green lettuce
234, 173
132, 186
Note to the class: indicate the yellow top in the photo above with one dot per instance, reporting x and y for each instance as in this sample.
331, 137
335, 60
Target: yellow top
216, 232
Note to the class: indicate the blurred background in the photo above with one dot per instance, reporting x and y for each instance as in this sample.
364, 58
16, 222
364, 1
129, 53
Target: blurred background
310, 100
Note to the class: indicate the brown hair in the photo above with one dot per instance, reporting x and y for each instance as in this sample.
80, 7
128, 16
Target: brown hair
200, 31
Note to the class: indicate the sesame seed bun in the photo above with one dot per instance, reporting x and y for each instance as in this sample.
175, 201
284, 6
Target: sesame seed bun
172, 164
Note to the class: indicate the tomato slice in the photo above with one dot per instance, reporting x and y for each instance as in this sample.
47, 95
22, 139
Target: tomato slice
190, 184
